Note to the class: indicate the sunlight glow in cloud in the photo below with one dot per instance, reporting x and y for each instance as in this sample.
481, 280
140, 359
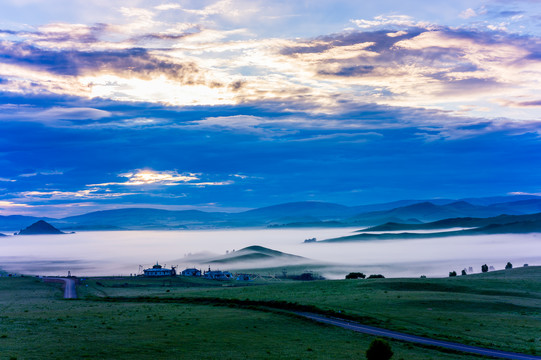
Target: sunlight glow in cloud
149, 177
10, 204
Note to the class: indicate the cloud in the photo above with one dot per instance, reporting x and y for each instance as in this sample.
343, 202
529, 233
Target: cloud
7, 180
168, 178
53, 116
168, 6
521, 104
44, 173
134, 62
468, 13
388, 21
10, 204
524, 193
69, 195
148, 177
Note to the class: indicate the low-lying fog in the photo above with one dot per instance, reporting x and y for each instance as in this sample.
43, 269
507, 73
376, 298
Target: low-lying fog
122, 252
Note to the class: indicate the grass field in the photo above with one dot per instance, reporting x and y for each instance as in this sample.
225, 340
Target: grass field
498, 309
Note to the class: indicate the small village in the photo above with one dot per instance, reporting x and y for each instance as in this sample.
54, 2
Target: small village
159, 271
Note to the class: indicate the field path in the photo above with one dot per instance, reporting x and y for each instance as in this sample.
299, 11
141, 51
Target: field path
417, 339
69, 286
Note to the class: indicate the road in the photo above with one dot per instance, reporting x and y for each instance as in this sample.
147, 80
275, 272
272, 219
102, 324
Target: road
69, 286
417, 339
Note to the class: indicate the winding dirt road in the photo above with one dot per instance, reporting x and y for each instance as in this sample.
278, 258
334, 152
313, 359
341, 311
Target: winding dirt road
69, 286
417, 339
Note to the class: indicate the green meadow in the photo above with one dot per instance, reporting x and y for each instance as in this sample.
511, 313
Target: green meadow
183, 318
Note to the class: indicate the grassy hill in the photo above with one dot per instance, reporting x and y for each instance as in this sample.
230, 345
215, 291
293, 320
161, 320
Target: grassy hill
520, 227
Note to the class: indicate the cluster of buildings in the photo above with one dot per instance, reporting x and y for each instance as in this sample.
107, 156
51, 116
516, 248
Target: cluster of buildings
159, 271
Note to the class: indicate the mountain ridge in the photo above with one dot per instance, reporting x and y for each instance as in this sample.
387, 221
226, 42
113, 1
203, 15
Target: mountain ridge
293, 214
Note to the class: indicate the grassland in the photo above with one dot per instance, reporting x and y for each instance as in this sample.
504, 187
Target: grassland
498, 309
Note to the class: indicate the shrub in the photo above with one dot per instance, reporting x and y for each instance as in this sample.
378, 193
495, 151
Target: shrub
484, 268
379, 350
355, 275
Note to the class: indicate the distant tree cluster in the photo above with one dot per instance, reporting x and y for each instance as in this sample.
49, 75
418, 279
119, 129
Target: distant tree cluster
484, 268
355, 275
376, 276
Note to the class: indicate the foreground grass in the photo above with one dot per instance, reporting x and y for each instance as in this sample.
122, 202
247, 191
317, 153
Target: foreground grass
502, 309
499, 309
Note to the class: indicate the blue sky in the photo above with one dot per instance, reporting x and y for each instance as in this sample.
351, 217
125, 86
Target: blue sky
228, 105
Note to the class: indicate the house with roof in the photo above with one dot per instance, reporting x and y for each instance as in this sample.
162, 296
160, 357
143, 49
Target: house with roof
159, 271
217, 275
191, 272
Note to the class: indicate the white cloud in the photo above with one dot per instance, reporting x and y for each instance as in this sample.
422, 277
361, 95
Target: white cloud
54, 115
70, 195
168, 6
390, 20
468, 13
10, 204
524, 193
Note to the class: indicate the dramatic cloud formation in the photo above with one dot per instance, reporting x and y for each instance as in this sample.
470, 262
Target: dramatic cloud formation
280, 101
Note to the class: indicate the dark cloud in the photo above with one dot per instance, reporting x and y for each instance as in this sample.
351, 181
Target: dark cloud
349, 71
380, 38
134, 62
236, 85
509, 13
91, 34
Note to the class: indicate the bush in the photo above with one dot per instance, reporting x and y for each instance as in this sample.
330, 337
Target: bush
509, 265
355, 275
376, 276
452, 273
484, 268
379, 350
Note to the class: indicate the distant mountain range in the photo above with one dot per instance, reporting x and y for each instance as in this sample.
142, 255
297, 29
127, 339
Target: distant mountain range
297, 214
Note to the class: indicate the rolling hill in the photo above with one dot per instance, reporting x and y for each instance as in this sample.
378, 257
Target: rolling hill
466, 222
519, 227
294, 214
256, 253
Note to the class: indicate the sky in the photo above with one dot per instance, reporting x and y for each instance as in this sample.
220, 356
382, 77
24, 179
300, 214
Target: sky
234, 104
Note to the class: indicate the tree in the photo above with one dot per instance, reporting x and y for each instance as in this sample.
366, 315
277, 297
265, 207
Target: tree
355, 275
464, 272
379, 350
484, 268
509, 265
376, 276
452, 273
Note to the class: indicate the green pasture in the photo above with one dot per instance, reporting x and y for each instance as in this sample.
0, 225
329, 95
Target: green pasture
499, 309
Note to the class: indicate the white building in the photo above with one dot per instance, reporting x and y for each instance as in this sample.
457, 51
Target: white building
157, 271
